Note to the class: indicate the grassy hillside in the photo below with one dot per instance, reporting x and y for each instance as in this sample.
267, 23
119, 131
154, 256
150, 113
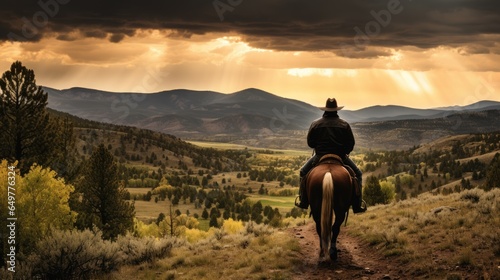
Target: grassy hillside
443, 236
457, 162
145, 148
430, 237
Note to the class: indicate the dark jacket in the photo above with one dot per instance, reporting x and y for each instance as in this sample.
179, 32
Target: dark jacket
330, 135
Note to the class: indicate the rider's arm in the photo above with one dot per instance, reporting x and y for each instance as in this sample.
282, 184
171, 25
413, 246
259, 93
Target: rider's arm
349, 143
311, 138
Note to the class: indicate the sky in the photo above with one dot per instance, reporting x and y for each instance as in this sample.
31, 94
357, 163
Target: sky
415, 53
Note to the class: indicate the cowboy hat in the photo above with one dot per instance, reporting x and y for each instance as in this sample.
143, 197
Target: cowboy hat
331, 105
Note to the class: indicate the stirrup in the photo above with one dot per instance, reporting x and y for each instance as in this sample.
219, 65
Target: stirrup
360, 209
296, 201
299, 204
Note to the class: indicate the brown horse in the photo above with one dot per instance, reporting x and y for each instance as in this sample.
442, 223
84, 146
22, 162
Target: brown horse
330, 189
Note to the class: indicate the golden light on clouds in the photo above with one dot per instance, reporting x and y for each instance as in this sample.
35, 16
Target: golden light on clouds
226, 63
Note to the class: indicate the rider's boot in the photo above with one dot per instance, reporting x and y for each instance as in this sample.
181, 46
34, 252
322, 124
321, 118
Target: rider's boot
358, 204
304, 201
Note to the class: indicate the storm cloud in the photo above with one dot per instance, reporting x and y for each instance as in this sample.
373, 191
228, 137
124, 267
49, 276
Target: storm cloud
343, 27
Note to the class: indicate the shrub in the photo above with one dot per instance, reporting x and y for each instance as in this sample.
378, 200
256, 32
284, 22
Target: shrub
473, 195
218, 233
231, 227
75, 255
465, 258
83, 254
145, 249
258, 229
195, 235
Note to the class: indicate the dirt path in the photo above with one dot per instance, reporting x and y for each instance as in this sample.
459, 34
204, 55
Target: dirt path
355, 260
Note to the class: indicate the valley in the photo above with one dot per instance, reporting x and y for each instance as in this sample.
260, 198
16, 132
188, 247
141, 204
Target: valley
229, 193
256, 118
447, 172
149, 161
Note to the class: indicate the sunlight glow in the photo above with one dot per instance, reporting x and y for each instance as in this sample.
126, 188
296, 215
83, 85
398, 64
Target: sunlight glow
324, 72
306, 72
415, 82
224, 50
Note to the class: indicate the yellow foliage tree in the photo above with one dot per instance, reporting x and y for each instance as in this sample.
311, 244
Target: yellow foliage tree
41, 204
231, 226
389, 190
145, 230
185, 220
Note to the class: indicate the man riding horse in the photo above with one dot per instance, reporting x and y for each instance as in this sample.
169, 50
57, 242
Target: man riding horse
330, 135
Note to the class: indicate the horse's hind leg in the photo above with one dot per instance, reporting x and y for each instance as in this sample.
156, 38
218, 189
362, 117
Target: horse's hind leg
318, 230
339, 218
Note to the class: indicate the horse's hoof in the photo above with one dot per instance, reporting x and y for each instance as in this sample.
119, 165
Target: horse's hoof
333, 254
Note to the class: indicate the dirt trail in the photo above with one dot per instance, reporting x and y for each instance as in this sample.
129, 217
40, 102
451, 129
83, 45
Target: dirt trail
355, 260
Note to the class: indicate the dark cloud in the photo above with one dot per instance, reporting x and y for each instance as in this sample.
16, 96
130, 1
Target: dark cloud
344, 27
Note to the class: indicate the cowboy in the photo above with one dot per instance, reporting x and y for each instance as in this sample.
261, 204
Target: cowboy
330, 135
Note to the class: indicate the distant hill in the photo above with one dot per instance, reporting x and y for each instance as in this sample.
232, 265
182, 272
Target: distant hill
393, 112
403, 134
186, 112
146, 148
258, 118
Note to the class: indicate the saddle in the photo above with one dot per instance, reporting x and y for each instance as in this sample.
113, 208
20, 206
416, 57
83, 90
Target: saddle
330, 159
335, 159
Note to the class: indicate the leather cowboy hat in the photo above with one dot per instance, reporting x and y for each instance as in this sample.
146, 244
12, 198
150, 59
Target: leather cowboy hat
331, 105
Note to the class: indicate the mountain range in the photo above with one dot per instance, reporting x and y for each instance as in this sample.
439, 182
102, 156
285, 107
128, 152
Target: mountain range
182, 112
252, 112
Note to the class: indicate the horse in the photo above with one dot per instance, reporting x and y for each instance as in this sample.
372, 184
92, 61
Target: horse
330, 189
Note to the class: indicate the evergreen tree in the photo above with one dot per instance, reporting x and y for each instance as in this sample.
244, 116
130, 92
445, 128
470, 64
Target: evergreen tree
372, 192
398, 184
257, 212
24, 121
160, 218
213, 221
261, 190
204, 214
65, 158
493, 173
102, 197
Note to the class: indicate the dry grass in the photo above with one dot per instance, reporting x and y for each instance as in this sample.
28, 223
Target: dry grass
258, 252
438, 235
149, 210
430, 237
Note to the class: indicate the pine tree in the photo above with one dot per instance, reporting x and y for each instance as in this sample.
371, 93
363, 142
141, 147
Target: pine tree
257, 212
204, 214
372, 192
24, 121
65, 155
102, 197
213, 221
493, 173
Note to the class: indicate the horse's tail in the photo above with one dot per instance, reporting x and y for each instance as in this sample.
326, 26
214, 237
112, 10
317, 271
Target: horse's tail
327, 212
